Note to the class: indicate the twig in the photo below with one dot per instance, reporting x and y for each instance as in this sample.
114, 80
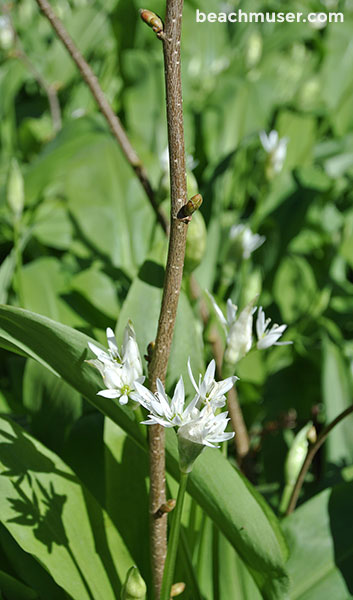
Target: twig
113, 121
53, 100
173, 274
309, 458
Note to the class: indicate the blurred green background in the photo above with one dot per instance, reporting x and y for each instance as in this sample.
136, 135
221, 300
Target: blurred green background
89, 251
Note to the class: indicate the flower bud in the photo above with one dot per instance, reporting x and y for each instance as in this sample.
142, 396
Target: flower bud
177, 589
15, 190
152, 20
134, 587
297, 454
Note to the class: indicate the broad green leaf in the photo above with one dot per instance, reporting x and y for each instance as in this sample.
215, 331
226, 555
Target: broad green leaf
214, 483
14, 589
126, 474
108, 206
300, 130
49, 400
52, 225
97, 289
44, 282
319, 535
337, 396
294, 288
28, 568
53, 518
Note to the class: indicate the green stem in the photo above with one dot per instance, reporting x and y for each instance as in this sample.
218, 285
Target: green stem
173, 540
18, 255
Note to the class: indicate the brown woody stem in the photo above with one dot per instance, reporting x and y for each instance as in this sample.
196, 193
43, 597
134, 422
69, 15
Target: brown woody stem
309, 458
113, 121
173, 276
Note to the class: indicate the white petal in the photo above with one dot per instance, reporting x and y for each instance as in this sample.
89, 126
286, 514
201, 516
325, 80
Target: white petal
218, 311
109, 393
192, 376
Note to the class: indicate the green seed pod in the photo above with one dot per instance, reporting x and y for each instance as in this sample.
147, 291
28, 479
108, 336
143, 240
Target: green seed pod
195, 242
152, 20
15, 190
134, 587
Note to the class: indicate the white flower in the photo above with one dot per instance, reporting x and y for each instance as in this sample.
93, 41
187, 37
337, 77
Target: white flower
207, 429
210, 391
238, 330
275, 147
162, 411
248, 240
268, 337
119, 370
196, 428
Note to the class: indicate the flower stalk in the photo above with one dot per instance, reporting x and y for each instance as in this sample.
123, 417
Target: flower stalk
173, 540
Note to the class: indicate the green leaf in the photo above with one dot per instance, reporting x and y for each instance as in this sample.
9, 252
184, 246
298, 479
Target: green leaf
294, 287
53, 518
44, 281
319, 535
98, 289
213, 483
108, 206
15, 590
28, 568
232, 505
49, 400
337, 396
126, 473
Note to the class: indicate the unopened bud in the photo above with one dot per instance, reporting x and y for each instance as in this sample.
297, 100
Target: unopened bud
297, 454
134, 587
152, 20
177, 589
168, 506
190, 207
15, 190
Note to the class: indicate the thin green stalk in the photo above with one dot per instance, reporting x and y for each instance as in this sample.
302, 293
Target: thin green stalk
18, 256
173, 540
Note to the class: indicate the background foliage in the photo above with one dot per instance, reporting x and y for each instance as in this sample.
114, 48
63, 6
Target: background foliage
90, 255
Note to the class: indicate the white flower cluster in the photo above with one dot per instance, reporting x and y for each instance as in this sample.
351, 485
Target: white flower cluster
121, 371
197, 423
238, 330
276, 149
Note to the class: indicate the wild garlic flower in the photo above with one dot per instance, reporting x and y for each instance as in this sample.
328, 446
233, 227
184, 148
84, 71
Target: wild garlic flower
276, 149
248, 241
238, 329
119, 369
209, 390
195, 428
268, 336
165, 412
